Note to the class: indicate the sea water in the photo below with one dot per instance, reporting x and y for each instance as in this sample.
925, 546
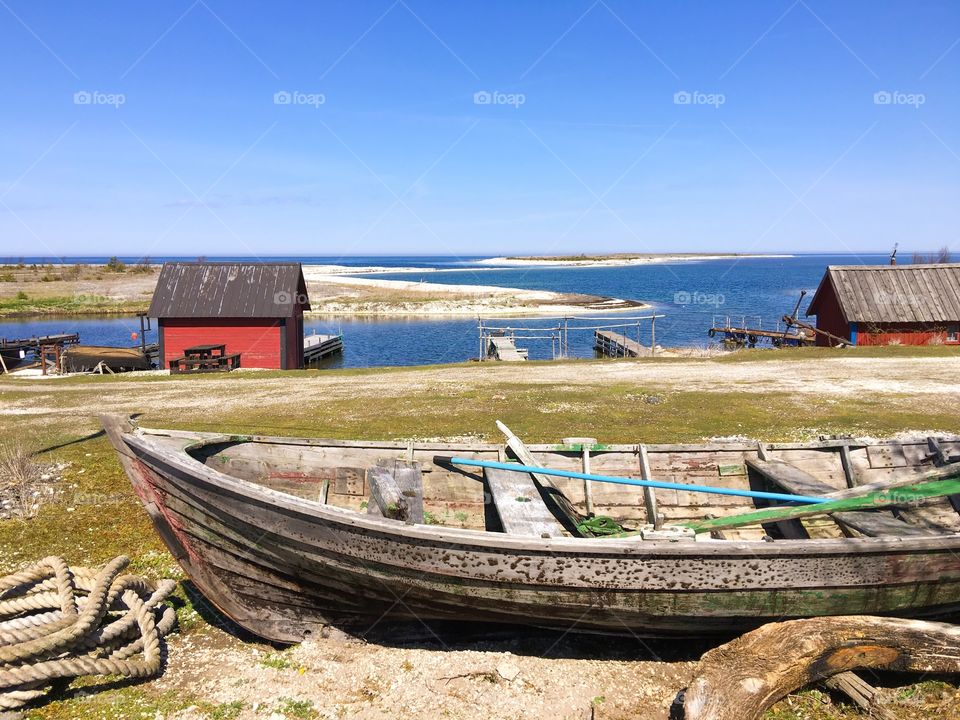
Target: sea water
690, 295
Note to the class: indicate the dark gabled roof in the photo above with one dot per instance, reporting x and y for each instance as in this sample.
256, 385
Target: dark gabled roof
229, 289
893, 293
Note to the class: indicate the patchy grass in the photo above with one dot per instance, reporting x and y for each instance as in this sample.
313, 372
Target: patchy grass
70, 305
866, 351
292, 708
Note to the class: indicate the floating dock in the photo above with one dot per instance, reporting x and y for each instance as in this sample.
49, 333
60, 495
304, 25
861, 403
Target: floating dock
317, 347
614, 344
504, 348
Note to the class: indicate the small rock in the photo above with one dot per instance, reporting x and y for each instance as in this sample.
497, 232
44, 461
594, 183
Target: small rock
508, 670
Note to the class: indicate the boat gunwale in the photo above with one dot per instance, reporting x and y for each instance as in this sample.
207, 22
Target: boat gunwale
482, 540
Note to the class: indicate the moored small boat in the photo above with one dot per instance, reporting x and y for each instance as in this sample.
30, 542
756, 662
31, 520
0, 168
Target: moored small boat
280, 533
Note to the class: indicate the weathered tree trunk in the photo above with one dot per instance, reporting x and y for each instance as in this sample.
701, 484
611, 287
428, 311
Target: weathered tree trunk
740, 680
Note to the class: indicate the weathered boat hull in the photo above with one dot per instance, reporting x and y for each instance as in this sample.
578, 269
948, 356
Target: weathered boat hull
11, 359
284, 567
83, 358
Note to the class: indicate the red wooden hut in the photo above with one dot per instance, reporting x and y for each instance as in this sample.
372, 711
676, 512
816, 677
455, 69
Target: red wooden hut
254, 308
889, 304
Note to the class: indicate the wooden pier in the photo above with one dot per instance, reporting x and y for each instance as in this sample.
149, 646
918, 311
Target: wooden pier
613, 344
14, 352
743, 336
317, 347
505, 349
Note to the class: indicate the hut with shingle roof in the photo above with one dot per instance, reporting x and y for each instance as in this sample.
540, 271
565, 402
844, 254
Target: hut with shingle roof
253, 308
889, 304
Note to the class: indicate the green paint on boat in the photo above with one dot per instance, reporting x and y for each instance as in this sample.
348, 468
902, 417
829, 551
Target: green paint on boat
871, 501
725, 470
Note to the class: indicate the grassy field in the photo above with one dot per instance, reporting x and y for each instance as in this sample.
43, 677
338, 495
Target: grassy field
75, 289
666, 400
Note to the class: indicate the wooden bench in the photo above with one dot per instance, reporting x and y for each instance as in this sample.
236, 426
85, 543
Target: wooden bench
519, 504
873, 523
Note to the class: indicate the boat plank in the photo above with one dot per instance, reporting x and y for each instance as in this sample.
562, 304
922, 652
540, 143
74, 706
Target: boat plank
519, 504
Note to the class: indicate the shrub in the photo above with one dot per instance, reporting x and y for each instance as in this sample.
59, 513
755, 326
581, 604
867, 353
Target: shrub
20, 478
22, 295
7, 277
143, 267
114, 264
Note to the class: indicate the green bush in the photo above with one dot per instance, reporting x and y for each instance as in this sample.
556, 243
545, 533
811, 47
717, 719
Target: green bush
143, 267
114, 264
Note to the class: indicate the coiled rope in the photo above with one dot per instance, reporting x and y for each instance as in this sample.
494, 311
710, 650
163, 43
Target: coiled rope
62, 622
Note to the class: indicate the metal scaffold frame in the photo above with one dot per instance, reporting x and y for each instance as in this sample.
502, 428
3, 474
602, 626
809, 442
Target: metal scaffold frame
558, 329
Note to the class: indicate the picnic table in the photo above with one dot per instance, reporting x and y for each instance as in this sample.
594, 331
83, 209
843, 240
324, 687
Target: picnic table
205, 358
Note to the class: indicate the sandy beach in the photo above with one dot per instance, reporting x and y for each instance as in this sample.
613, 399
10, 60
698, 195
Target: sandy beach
616, 260
339, 294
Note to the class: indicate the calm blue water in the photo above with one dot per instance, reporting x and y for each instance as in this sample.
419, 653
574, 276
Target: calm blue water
690, 295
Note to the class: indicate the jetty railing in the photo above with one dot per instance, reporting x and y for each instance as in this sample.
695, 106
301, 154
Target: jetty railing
557, 331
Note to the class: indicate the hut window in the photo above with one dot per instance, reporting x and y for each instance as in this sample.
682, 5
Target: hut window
953, 333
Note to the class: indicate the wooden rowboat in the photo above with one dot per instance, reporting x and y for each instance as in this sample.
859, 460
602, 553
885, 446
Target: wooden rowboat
281, 534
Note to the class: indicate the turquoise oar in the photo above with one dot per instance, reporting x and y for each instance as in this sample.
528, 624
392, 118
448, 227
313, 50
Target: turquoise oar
660, 484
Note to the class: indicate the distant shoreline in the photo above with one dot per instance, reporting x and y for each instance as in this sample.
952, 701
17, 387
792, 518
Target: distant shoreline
619, 260
88, 290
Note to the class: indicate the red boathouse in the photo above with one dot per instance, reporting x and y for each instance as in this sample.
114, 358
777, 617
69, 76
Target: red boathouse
889, 304
254, 308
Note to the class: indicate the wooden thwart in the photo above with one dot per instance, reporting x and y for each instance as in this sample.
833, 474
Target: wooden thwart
521, 509
560, 505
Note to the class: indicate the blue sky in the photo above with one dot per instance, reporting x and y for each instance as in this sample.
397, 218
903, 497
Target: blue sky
481, 127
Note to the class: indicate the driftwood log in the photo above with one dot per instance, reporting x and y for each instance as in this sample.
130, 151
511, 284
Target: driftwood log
740, 680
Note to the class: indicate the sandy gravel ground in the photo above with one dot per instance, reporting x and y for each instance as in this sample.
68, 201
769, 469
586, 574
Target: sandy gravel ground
509, 678
838, 377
